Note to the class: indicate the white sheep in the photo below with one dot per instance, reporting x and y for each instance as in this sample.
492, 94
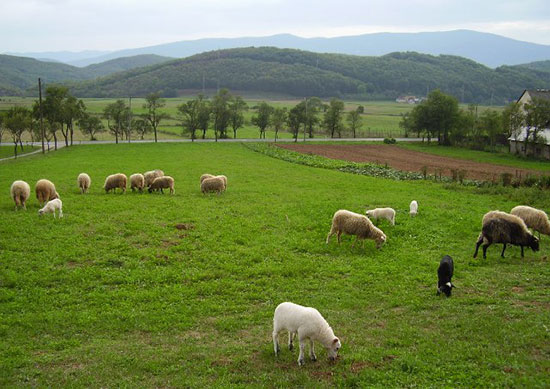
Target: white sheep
205, 176
308, 324
51, 206
84, 182
137, 181
413, 208
213, 184
115, 181
45, 191
353, 223
382, 213
151, 175
160, 183
20, 192
533, 218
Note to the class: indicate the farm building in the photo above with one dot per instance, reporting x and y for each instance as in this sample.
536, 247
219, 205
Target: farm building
528, 95
542, 149
407, 99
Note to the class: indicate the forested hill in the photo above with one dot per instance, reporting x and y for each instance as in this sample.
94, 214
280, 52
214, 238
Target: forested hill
301, 73
20, 73
538, 65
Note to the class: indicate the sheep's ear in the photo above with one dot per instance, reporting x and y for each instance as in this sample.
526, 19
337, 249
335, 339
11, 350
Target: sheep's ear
449, 284
335, 340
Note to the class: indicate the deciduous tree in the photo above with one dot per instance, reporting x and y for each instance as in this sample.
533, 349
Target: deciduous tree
261, 120
153, 102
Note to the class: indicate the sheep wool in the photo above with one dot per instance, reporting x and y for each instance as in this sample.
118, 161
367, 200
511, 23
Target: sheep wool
20, 192
115, 181
308, 324
501, 227
161, 183
213, 184
51, 207
205, 176
352, 223
382, 213
413, 208
84, 182
533, 218
137, 181
151, 175
45, 191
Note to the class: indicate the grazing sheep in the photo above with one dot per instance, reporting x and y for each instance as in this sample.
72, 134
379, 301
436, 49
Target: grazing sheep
213, 184
413, 208
355, 224
51, 207
533, 218
308, 324
84, 182
20, 192
224, 178
205, 176
114, 181
161, 183
382, 213
444, 275
45, 191
501, 227
137, 181
151, 175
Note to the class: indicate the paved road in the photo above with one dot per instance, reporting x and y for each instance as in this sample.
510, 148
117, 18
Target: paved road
230, 140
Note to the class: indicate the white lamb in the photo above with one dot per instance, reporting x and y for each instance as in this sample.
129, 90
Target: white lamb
414, 208
51, 206
382, 213
308, 324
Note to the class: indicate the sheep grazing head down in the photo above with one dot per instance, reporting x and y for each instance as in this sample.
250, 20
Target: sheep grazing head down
534, 243
332, 351
446, 288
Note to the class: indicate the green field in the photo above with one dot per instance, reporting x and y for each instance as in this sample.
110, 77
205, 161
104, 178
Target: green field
381, 118
8, 151
114, 295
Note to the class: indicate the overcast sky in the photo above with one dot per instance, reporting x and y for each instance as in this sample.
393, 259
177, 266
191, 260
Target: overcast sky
76, 25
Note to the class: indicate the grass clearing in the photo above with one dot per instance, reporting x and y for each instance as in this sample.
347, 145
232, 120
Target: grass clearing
7, 151
115, 295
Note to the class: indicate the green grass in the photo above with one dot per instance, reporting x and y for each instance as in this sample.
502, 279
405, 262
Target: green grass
114, 295
499, 158
8, 151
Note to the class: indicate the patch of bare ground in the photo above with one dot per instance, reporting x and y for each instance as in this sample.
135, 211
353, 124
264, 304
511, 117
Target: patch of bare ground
408, 160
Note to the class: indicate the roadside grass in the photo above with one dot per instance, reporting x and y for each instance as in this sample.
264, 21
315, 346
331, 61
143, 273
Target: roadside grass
114, 294
499, 158
7, 151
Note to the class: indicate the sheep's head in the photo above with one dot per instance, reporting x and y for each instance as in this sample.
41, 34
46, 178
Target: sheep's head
534, 243
332, 350
40, 212
380, 241
446, 288
369, 212
55, 196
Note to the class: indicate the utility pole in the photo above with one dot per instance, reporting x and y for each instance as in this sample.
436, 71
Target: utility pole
305, 123
129, 117
40, 109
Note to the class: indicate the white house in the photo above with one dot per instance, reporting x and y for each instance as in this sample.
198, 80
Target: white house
542, 149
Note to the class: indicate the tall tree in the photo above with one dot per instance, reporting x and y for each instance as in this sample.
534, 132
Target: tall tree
153, 102
278, 120
537, 117
220, 113
296, 116
354, 121
117, 115
237, 107
491, 123
2, 125
72, 110
261, 120
333, 117
189, 115
52, 108
513, 119
312, 106
90, 125
141, 127
17, 121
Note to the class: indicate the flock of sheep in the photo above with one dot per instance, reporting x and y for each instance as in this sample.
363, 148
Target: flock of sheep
304, 322
154, 180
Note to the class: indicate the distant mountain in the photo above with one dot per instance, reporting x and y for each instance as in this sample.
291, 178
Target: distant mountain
539, 65
20, 73
301, 73
488, 49
61, 56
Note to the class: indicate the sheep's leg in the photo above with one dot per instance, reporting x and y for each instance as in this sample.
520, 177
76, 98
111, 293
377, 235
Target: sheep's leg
290, 340
276, 342
331, 232
353, 244
60, 213
485, 250
339, 235
478, 243
503, 249
393, 221
521, 251
312, 355
54, 213
301, 360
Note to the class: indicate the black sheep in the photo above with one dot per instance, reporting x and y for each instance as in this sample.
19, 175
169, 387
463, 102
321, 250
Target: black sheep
444, 275
500, 227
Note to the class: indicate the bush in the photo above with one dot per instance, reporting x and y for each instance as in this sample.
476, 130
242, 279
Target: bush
390, 141
506, 179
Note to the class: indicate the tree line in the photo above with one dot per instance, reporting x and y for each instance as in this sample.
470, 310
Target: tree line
439, 117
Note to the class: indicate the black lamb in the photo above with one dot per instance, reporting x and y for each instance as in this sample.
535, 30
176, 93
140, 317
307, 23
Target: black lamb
444, 275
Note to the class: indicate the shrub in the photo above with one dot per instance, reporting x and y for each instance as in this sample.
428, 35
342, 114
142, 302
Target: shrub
506, 179
424, 171
390, 141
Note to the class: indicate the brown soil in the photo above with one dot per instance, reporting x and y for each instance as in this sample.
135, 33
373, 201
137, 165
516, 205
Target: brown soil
403, 159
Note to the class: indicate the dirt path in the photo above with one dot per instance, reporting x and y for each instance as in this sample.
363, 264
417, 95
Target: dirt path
408, 160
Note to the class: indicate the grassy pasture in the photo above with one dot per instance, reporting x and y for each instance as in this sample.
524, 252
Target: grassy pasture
115, 295
7, 151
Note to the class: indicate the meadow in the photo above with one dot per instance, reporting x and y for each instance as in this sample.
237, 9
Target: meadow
150, 290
